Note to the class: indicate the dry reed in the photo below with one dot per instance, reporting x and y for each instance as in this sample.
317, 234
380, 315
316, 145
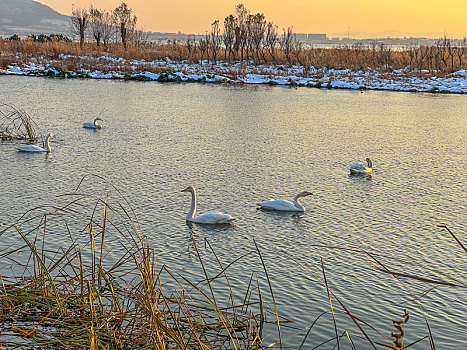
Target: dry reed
16, 124
439, 58
81, 295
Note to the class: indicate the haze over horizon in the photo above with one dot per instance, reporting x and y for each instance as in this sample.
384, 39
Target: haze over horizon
364, 18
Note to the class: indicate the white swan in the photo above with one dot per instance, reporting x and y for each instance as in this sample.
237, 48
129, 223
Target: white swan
359, 168
93, 124
283, 205
34, 148
210, 217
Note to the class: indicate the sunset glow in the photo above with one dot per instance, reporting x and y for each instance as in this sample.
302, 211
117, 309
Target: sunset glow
338, 16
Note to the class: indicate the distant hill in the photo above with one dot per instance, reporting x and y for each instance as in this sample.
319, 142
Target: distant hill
25, 17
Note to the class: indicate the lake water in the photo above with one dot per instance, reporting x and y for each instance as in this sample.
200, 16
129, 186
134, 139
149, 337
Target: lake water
239, 145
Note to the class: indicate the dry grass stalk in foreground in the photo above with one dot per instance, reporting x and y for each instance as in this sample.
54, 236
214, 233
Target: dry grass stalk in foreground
16, 124
367, 330
82, 295
399, 335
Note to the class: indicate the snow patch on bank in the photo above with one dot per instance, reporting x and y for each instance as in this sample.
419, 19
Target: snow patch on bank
166, 70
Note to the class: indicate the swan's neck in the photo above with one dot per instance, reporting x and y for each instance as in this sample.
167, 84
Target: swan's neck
192, 212
297, 204
47, 144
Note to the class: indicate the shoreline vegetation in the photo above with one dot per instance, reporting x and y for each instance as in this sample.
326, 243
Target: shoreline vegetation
246, 50
68, 61
105, 289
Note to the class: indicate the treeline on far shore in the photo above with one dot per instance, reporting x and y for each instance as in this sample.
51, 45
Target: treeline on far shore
244, 38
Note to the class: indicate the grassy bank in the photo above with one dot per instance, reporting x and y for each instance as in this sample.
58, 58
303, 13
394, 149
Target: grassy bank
356, 68
442, 58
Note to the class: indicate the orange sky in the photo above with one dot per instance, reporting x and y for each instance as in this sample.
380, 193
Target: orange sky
311, 16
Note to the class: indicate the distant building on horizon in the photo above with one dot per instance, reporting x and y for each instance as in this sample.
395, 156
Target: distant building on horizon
301, 36
317, 37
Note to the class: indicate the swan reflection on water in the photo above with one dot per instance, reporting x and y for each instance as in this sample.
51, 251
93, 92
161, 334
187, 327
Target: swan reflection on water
362, 176
204, 233
208, 227
295, 216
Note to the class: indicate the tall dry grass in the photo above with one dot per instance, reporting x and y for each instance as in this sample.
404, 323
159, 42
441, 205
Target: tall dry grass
82, 294
440, 58
16, 124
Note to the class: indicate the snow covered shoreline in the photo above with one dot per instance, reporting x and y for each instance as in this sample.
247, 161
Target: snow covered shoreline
235, 73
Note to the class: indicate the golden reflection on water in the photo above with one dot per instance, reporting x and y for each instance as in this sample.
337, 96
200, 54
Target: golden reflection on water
238, 143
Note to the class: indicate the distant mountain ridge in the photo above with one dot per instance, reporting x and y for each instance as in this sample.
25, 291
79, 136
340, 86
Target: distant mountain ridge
25, 17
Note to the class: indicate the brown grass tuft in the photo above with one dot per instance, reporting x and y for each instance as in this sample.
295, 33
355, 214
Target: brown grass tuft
16, 124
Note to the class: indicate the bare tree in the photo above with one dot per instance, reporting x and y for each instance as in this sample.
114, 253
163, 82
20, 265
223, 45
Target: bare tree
450, 51
271, 40
307, 61
108, 27
287, 43
412, 56
257, 30
297, 49
207, 39
79, 23
96, 19
461, 50
249, 36
203, 47
241, 30
423, 53
102, 24
215, 40
244, 34
385, 52
125, 20
230, 23
191, 48
138, 36
444, 50
432, 58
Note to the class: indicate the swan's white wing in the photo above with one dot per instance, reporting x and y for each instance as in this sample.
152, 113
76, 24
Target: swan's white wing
279, 204
90, 125
213, 217
358, 168
30, 148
